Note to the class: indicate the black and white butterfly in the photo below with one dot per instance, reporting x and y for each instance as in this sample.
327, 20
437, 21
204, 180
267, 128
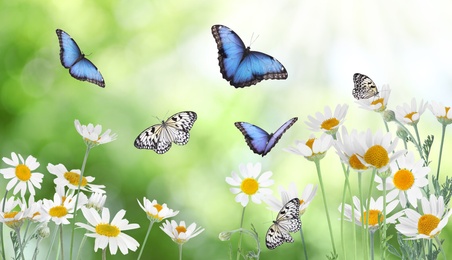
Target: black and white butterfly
174, 130
288, 220
364, 87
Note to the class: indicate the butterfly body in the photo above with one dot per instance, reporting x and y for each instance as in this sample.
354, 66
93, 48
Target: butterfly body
288, 220
259, 141
175, 129
364, 87
240, 65
72, 58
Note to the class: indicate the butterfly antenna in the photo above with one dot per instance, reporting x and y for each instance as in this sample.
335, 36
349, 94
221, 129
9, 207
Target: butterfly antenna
252, 40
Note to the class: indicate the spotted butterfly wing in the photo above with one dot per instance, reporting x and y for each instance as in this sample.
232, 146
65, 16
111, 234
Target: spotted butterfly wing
258, 139
159, 137
364, 87
288, 220
73, 59
241, 66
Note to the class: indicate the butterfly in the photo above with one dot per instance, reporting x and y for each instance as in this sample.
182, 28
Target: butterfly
241, 66
258, 139
174, 130
73, 59
364, 87
288, 220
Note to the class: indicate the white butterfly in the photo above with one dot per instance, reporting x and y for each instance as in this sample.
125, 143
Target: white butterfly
174, 130
288, 220
364, 87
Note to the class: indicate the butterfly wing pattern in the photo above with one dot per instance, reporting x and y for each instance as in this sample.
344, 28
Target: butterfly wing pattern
175, 129
288, 220
73, 59
364, 87
241, 66
259, 141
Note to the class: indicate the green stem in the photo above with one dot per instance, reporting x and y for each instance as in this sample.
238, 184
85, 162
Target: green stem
383, 230
180, 251
36, 251
372, 178
371, 235
304, 244
104, 253
361, 210
441, 150
416, 143
239, 246
145, 239
53, 242
1, 226
322, 188
21, 245
81, 246
438, 241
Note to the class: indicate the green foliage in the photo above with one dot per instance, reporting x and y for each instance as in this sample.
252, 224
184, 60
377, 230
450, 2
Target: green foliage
427, 148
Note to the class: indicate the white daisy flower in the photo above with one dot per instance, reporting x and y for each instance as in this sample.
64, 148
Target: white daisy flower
378, 103
96, 201
156, 212
108, 233
328, 122
305, 199
13, 213
61, 208
22, 174
251, 183
71, 179
312, 149
375, 214
443, 114
33, 210
428, 224
406, 181
347, 148
410, 114
92, 134
180, 233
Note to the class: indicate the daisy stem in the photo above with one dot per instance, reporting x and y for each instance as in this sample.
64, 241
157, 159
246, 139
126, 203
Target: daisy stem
371, 235
416, 143
304, 244
440, 247
145, 239
88, 148
372, 178
441, 150
346, 187
61, 241
104, 253
35, 253
361, 210
383, 230
80, 247
17, 230
53, 242
180, 251
1, 226
319, 174
239, 246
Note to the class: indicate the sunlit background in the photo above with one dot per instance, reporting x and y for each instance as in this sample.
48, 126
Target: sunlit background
159, 58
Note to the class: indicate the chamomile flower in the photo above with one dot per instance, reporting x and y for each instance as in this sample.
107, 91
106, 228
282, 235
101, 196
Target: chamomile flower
71, 179
378, 103
312, 149
156, 212
347, 147
443, 114
375, 215
108, 233
96, 201
251, 183
410, 113
406, 181
22, 174
92, 134
427, 224
61, 208
13, 213
328, 122
305, 199
180, 233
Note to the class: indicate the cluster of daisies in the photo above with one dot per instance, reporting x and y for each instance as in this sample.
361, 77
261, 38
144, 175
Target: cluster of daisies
411, 199
21, 212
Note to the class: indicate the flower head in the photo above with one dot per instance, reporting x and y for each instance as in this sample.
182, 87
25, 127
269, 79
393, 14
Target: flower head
348, 148
92, 134
427, 225
96, 201
251, 183
71, 179
305, 199
22, 174
407, 180
108, 233
180, 233
156, 212
410, 114
377, 104
443, 114
13, 212
312, 149
61, 208
328, 122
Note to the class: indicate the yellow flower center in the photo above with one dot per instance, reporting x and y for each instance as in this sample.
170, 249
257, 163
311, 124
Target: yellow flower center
375, 216
156, 216
410, 116
355, 163
58, 211
329, 123
11, 214
74, 178
427, 223
23, 173
376, 156
181, 229
13, 223
249, 186
310, 143
379, 101
403, 179
107, 230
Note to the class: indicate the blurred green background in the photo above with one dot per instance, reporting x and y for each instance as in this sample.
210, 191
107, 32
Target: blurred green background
159, 58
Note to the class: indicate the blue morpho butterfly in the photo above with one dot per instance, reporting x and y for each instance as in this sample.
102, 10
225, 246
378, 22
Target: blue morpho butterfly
241, 66
73, 59
259, 140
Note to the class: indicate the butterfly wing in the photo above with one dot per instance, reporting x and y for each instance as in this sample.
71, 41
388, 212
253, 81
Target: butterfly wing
256, 137
240, 66
364, 87
179, 125
79, 67
278, 134
288, 220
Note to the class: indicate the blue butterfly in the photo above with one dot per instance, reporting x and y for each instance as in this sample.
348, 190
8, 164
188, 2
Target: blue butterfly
259, 140
241, 66
73, 59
